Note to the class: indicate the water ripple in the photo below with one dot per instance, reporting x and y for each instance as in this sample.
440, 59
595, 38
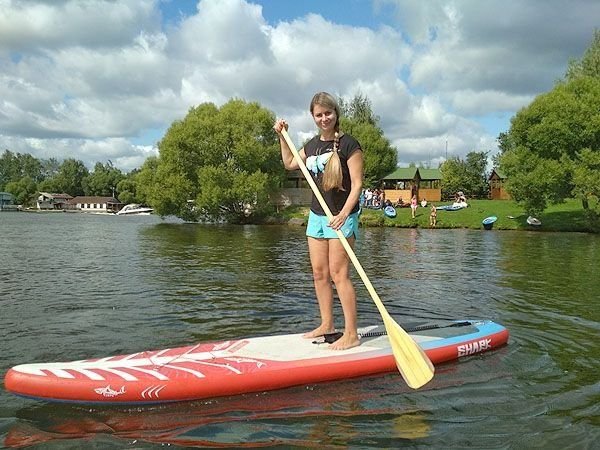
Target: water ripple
118, 286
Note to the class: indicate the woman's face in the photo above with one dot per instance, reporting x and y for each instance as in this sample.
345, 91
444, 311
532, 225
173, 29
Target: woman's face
324, 117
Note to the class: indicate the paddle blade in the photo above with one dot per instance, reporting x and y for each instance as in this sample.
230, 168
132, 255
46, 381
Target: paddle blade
414, 365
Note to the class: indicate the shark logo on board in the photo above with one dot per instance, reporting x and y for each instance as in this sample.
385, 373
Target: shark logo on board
109, 392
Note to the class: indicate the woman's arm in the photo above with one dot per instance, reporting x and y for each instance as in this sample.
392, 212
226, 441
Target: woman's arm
286, 154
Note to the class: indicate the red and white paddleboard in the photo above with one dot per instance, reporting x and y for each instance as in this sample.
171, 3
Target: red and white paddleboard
240, 366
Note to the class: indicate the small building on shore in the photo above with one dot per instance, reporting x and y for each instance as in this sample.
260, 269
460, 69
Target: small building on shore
497, 189
430, 185
404, 182
52, 201
96, 204
7, 202
294, 191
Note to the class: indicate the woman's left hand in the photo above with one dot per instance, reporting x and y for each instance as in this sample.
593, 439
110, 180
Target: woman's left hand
337, 221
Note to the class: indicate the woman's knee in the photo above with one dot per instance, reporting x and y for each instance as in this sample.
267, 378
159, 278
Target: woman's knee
340, 274
321, 274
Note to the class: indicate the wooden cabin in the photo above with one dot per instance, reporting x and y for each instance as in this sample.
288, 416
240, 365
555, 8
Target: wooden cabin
497, 190
404, 182
294, 191
401, 184
430, 185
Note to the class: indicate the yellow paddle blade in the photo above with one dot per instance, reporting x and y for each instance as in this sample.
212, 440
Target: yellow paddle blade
413, 364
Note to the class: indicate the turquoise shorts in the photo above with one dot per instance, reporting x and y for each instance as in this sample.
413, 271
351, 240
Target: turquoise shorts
318, 227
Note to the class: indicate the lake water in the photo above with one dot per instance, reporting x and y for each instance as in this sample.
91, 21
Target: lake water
76, 286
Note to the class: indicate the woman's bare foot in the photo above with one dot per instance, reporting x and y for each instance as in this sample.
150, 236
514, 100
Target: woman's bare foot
348, 340
320, 331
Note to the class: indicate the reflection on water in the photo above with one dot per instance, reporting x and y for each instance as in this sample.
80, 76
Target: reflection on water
75, 286
309, 416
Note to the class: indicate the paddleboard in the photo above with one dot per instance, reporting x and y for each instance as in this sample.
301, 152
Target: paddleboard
389, 211
488, 222
241, 366
448, 207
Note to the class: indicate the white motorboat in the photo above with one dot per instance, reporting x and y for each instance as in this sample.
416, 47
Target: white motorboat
134, 209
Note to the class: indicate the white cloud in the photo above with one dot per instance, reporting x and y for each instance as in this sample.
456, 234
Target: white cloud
87, 79
476, 103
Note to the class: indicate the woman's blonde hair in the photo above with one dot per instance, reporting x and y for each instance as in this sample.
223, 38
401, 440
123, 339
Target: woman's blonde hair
332, 177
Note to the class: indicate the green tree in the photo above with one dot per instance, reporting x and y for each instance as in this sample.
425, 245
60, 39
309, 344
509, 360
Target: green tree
586, 181
544, 148
127, 188
589, 64
466, 175
50, 168
15, 166
103, 180
555, 128
531, 179
380, 158
359, 109
9, 170
146, 182
453, 174
217, 164
24, 190
69, 179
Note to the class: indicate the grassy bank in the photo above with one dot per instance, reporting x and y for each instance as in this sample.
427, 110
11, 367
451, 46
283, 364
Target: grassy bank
568, 216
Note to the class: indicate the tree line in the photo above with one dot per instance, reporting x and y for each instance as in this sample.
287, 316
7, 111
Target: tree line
25, 176
223, 163
552, 149
218, 164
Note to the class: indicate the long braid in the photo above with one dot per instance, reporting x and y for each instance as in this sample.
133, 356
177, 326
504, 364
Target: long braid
332, 177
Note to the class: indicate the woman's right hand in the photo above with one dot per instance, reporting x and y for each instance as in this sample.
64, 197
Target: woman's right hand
280, 125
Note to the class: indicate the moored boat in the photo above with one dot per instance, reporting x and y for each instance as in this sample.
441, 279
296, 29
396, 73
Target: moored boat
134, 209
389, 211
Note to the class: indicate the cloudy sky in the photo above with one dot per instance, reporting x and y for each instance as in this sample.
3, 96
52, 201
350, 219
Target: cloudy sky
102, 80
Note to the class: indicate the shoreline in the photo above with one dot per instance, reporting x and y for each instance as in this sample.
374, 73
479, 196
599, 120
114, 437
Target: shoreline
566, 217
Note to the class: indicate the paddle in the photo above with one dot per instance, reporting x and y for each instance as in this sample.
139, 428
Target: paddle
332, 337
412, 362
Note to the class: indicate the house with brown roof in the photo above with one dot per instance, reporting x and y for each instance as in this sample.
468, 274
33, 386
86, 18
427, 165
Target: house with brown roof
497, 189
430, 185
96, 204
51, 201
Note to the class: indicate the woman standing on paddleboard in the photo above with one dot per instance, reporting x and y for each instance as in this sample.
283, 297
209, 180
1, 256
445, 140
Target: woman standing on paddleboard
335, 161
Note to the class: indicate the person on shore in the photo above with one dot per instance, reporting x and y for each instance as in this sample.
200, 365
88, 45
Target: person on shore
433, 216
368, 197
413, 206
335, 161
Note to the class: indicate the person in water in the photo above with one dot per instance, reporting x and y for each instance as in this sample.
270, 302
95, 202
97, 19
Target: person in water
335, 162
